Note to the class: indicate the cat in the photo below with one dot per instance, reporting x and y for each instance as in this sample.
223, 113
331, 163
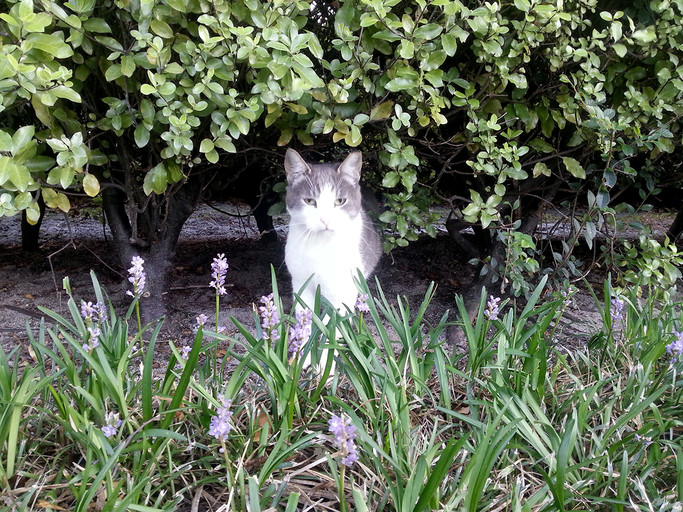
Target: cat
331, 237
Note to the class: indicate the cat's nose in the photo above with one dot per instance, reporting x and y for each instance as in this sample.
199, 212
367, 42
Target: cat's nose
325, 223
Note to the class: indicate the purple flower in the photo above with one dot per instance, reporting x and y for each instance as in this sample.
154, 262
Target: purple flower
219, 268
112, 423
344, 437
92, 344
101, 312
137, 277
615, 308
300, 332
567, 296
93, 315
642, 439
220, 424
87, 310
269, 318
185, 352
675, 348
201, 320
492, 311
362, 304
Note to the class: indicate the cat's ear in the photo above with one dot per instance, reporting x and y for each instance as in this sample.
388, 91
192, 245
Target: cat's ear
295, 166
351, 165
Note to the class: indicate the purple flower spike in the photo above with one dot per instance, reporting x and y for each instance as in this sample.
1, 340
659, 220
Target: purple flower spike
362, 303
492, 311
301, 332
220, 424
269, 318
675, 348
137, 276
93, 315
617, 305
344, 437
219, 268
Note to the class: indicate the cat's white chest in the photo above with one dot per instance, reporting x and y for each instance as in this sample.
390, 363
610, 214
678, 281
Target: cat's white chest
331, 259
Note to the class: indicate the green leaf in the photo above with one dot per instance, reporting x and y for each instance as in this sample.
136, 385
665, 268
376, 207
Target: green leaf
113, 72
127, 65
63, 202
401, 84
407, 49
147, 89
33, 213
20, 177
391, 179
382, 111
96, 25
141, 135
523, 5
428, 32
23, 200
38, 23
645, 35
61, 175
50, 44
174, 68
212, 156
155, 180
574, 167
91, 185
206, 146
226, 144
67, 93
449, 44
541, 145
541, 169
39, 163
603, 198
10, 20
5, 141
22, 137
147, 110
6, 164
619, 49
162, 29
167, 89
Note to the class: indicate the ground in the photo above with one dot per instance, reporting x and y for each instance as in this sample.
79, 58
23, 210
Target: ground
71, 247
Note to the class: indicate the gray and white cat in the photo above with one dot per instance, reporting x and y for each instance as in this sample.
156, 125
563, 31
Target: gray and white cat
330, 237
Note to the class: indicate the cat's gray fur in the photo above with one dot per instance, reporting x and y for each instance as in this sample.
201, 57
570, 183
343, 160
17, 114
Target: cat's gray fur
328, 241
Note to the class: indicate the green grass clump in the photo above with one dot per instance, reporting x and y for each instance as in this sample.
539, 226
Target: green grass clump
238, 423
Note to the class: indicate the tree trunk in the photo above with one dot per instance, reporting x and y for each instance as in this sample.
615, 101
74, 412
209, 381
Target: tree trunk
676, 228
154, 240
31, 232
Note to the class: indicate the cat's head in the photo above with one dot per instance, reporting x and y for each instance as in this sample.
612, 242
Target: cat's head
324, 197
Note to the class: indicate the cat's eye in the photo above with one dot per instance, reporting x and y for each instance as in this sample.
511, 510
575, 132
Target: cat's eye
339, 201
309, 201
